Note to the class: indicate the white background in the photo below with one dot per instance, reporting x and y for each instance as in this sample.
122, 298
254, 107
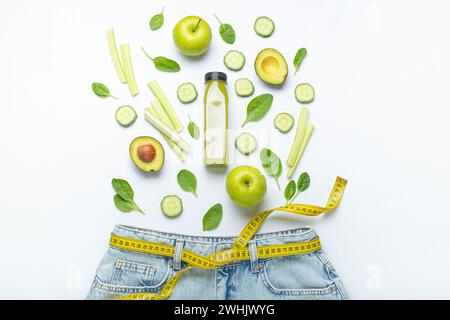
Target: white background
381, 72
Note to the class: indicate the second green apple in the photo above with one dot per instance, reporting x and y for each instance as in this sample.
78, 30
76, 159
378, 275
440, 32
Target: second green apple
192, 36
246, 186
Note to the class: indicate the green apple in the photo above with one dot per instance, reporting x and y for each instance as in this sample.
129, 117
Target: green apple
246, 186
192, 35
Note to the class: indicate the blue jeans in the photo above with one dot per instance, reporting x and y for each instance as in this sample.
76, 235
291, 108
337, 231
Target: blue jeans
304, 276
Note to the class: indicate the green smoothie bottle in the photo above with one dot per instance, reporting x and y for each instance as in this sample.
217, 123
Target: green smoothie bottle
216, 119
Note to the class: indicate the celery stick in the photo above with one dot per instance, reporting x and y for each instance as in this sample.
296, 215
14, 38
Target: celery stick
299, 134
308, 132
162, 116
172, 135
176, 149
162, 113
128, 68
158, 93
115, 55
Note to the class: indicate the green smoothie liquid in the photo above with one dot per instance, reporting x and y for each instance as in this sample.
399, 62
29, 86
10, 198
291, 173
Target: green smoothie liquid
216, 123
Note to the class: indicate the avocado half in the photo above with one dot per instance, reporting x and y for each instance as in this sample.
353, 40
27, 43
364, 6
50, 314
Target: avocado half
271, 67
147, 154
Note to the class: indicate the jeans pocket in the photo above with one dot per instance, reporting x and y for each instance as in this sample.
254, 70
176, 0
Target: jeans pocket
302, 275
132, 273
127, 272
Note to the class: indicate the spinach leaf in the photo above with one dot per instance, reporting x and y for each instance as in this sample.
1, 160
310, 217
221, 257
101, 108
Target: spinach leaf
123, 189
290, 191
187, 181
101, 90
272, 164
157, 21
193, 129
299, 56
258, 107
163, 64
303, 182
123, 205
166, 65
124, 198
226, 31
212, 217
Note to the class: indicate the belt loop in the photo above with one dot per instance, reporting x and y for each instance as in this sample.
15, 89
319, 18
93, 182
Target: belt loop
254, 265
177, 255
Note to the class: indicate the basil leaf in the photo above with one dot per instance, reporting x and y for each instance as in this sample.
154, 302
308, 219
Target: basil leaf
258, 107
157, 21
303, 182
123, 189
290, 190
226, 31
193, 129
187, 181
163, 64
212, 217
101, 90
300, 55
123, 205
272, 164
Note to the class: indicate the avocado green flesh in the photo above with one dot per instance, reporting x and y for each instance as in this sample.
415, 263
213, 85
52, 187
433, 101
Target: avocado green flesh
152, 166
271, 67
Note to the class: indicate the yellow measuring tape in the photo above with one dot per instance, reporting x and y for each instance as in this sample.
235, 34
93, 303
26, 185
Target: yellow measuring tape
238, 251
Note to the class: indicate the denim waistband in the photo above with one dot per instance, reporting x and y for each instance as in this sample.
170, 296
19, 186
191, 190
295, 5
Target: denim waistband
301, 234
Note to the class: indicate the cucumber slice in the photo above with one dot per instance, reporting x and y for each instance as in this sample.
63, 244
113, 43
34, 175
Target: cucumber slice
246, 143
264, 26
244, 87
234, 60
126, 116
284, 122
171, 206
304, 93
187, 93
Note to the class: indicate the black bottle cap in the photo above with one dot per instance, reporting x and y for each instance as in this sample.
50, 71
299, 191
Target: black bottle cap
215, 75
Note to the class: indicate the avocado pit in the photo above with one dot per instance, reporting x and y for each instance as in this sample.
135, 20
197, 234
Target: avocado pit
146, 152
